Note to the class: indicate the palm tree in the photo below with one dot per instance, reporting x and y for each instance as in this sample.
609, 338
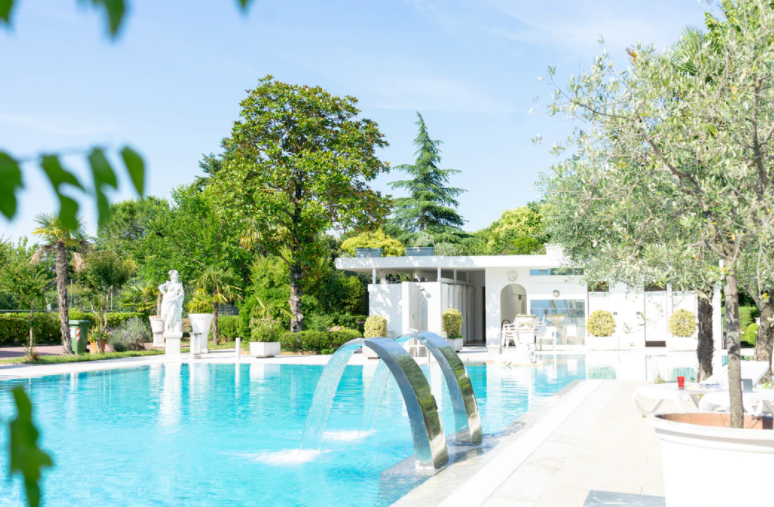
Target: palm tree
215, 286
58, 239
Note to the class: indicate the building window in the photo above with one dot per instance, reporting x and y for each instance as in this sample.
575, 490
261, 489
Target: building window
556, 272
574, 311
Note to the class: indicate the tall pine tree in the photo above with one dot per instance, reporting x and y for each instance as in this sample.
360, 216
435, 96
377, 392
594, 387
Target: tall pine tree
431, 204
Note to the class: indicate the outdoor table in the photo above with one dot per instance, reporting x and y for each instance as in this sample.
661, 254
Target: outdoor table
764, 398
663, 392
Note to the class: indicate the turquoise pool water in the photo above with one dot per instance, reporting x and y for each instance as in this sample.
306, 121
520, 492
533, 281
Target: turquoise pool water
225, 434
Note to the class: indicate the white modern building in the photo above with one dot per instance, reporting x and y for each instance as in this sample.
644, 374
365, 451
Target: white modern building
492, 290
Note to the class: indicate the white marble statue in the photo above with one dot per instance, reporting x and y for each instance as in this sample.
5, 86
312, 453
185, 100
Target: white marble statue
172, 304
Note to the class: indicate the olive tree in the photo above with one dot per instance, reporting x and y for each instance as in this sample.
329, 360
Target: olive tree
703, 139
300, 163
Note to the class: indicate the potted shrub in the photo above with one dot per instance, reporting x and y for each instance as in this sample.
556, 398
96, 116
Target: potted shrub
97, 340
682, 329
373, 244
264, 337
600, 328
368, 252
375, 327
452, 326
423, 246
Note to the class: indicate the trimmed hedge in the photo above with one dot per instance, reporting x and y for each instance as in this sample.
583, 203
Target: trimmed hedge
14, 328
750, 335
228, 328
682, 323
375, 327
451, 321
317, 341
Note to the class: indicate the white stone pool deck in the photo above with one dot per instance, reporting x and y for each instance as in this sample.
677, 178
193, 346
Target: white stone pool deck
589, 437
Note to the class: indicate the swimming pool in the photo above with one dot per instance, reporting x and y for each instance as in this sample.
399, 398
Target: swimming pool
224, 434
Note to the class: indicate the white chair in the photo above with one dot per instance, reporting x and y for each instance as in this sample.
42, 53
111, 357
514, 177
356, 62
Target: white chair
754, 370
508, 335
546, 334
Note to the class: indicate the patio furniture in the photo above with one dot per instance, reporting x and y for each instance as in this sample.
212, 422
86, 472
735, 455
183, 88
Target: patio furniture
754, 370
546, 334
508, 335
663, 392
719, 399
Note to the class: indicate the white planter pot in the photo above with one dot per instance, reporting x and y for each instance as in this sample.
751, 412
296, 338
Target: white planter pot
678, 343
742, 458
157, 328
200, 329
264, 349
602, 342
456, 343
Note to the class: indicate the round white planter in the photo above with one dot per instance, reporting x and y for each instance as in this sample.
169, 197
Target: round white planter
200, 330
265, 349
456, 343
678, 343
602, 342
715, 465
157, 328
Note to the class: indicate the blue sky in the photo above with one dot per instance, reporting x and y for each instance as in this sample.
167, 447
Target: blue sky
171, 85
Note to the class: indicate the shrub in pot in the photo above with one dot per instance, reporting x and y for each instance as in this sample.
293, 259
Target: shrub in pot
131, 335
682, 326
264, 337
451, 321
375, 327
600, 327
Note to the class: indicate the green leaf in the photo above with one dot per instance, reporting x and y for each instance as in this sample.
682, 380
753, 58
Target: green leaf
103, 175
10, 181
244, 4
26, 457
6, 6
58, 176
135, 166
115, 11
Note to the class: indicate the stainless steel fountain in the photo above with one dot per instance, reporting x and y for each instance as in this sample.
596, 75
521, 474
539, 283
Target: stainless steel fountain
427, 432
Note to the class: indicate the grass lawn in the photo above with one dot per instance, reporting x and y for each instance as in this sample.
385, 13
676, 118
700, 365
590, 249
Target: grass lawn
80, 358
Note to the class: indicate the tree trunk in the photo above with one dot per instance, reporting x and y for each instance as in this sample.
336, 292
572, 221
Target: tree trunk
159, 299
764, 342
734, 347
706, 345
215, 323
296, 318
61, 289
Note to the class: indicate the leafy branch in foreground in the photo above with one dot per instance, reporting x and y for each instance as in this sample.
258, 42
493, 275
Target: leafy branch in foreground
26, 457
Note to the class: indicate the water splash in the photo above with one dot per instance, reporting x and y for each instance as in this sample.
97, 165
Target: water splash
288, 457
346, 435
323, 397
374, 397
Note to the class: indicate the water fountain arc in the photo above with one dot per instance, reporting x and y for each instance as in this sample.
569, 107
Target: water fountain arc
426, 429
467, 420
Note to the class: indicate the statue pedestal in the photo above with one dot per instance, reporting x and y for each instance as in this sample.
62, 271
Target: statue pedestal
173, 344
158, 340
196, 346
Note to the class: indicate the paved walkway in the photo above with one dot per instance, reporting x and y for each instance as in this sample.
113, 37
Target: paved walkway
591, 438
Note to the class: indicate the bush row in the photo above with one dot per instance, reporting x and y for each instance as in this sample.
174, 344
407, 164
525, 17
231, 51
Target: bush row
324, 342
228, 328
14, 327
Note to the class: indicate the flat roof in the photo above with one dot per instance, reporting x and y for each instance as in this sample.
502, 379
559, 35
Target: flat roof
466, 263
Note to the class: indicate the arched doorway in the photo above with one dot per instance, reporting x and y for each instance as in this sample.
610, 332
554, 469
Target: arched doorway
513, 302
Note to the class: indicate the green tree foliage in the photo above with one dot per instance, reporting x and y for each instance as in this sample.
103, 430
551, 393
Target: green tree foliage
519, 231
701, 140
104, 273
129, 224
378, 239
302, 163
431, 204
26, 282
189, 237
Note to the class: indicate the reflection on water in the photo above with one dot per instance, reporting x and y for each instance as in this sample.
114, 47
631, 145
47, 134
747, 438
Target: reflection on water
636, 365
